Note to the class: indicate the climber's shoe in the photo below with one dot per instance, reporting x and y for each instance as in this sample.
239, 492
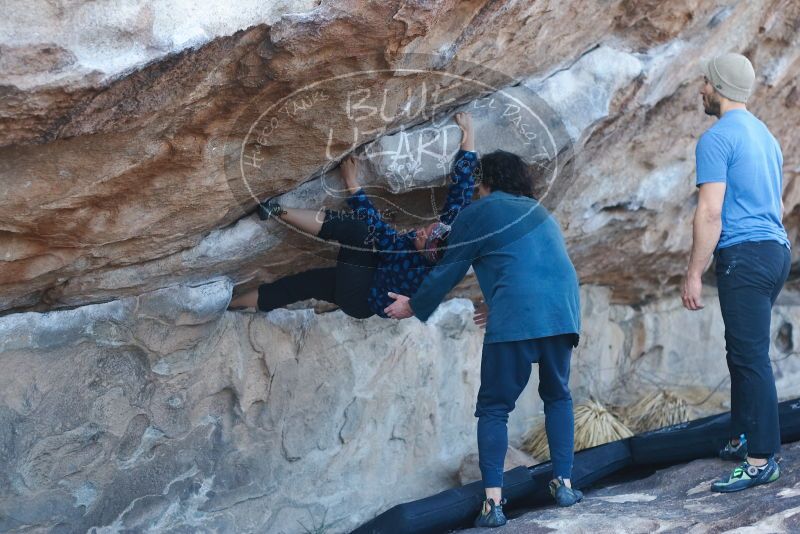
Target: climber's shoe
737, 453
269, 209
563, 495
746, 476
494, 517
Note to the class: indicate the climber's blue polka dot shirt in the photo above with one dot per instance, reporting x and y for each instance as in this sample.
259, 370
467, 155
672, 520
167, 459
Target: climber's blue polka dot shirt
401, 268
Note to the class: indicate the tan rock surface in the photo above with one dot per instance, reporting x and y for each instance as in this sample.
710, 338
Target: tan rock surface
114, 183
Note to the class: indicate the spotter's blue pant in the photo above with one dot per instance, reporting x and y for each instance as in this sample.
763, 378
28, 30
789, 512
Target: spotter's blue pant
505, 370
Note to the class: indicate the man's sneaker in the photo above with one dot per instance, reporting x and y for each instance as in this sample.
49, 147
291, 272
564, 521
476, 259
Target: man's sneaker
737, 453
269, 209
563, 495
494, 517
746, 476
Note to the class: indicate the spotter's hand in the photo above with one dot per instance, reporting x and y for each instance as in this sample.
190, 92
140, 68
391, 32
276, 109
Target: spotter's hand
400, 308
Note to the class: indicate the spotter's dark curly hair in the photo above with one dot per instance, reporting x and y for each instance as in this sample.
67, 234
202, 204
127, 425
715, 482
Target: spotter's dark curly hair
504, 171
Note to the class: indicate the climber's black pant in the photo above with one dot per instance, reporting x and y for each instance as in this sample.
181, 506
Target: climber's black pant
749, 277
347, 285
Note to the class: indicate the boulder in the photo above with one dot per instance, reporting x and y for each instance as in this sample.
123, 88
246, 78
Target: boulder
122, 172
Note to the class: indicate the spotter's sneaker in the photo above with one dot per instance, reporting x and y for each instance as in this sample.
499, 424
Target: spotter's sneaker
737, 453
563, 495
494, 517
746, 476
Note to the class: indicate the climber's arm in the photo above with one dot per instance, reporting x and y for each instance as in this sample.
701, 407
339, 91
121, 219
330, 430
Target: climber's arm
360, 203
462, 178
362, 206
348, 168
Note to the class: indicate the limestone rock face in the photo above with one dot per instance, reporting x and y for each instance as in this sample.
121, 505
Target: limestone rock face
122, 131
164, 410
625, 349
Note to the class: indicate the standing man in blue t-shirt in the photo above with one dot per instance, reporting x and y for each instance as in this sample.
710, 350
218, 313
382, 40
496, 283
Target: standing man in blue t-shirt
738, 219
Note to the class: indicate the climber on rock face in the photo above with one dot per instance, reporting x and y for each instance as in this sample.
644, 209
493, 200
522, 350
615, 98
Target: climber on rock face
531, 290
374, 259
738, 221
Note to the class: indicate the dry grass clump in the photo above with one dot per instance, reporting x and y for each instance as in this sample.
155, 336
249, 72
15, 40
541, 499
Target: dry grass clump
594, 425
656, 410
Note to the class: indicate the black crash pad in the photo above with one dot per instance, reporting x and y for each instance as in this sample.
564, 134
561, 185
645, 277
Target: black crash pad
527, 486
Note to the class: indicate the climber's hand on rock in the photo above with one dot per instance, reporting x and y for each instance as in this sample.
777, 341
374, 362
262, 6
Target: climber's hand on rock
349, 170
400, 309
481, 314
464, 121
691, 294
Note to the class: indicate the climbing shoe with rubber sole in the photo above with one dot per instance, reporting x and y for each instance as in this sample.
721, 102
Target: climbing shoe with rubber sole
747, 476
563, 495
269, 209
494, 517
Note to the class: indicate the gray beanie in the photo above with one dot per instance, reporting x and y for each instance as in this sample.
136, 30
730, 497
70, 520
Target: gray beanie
732, 75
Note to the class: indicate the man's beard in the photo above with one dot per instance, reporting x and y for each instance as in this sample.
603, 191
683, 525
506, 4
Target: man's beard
711, 106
